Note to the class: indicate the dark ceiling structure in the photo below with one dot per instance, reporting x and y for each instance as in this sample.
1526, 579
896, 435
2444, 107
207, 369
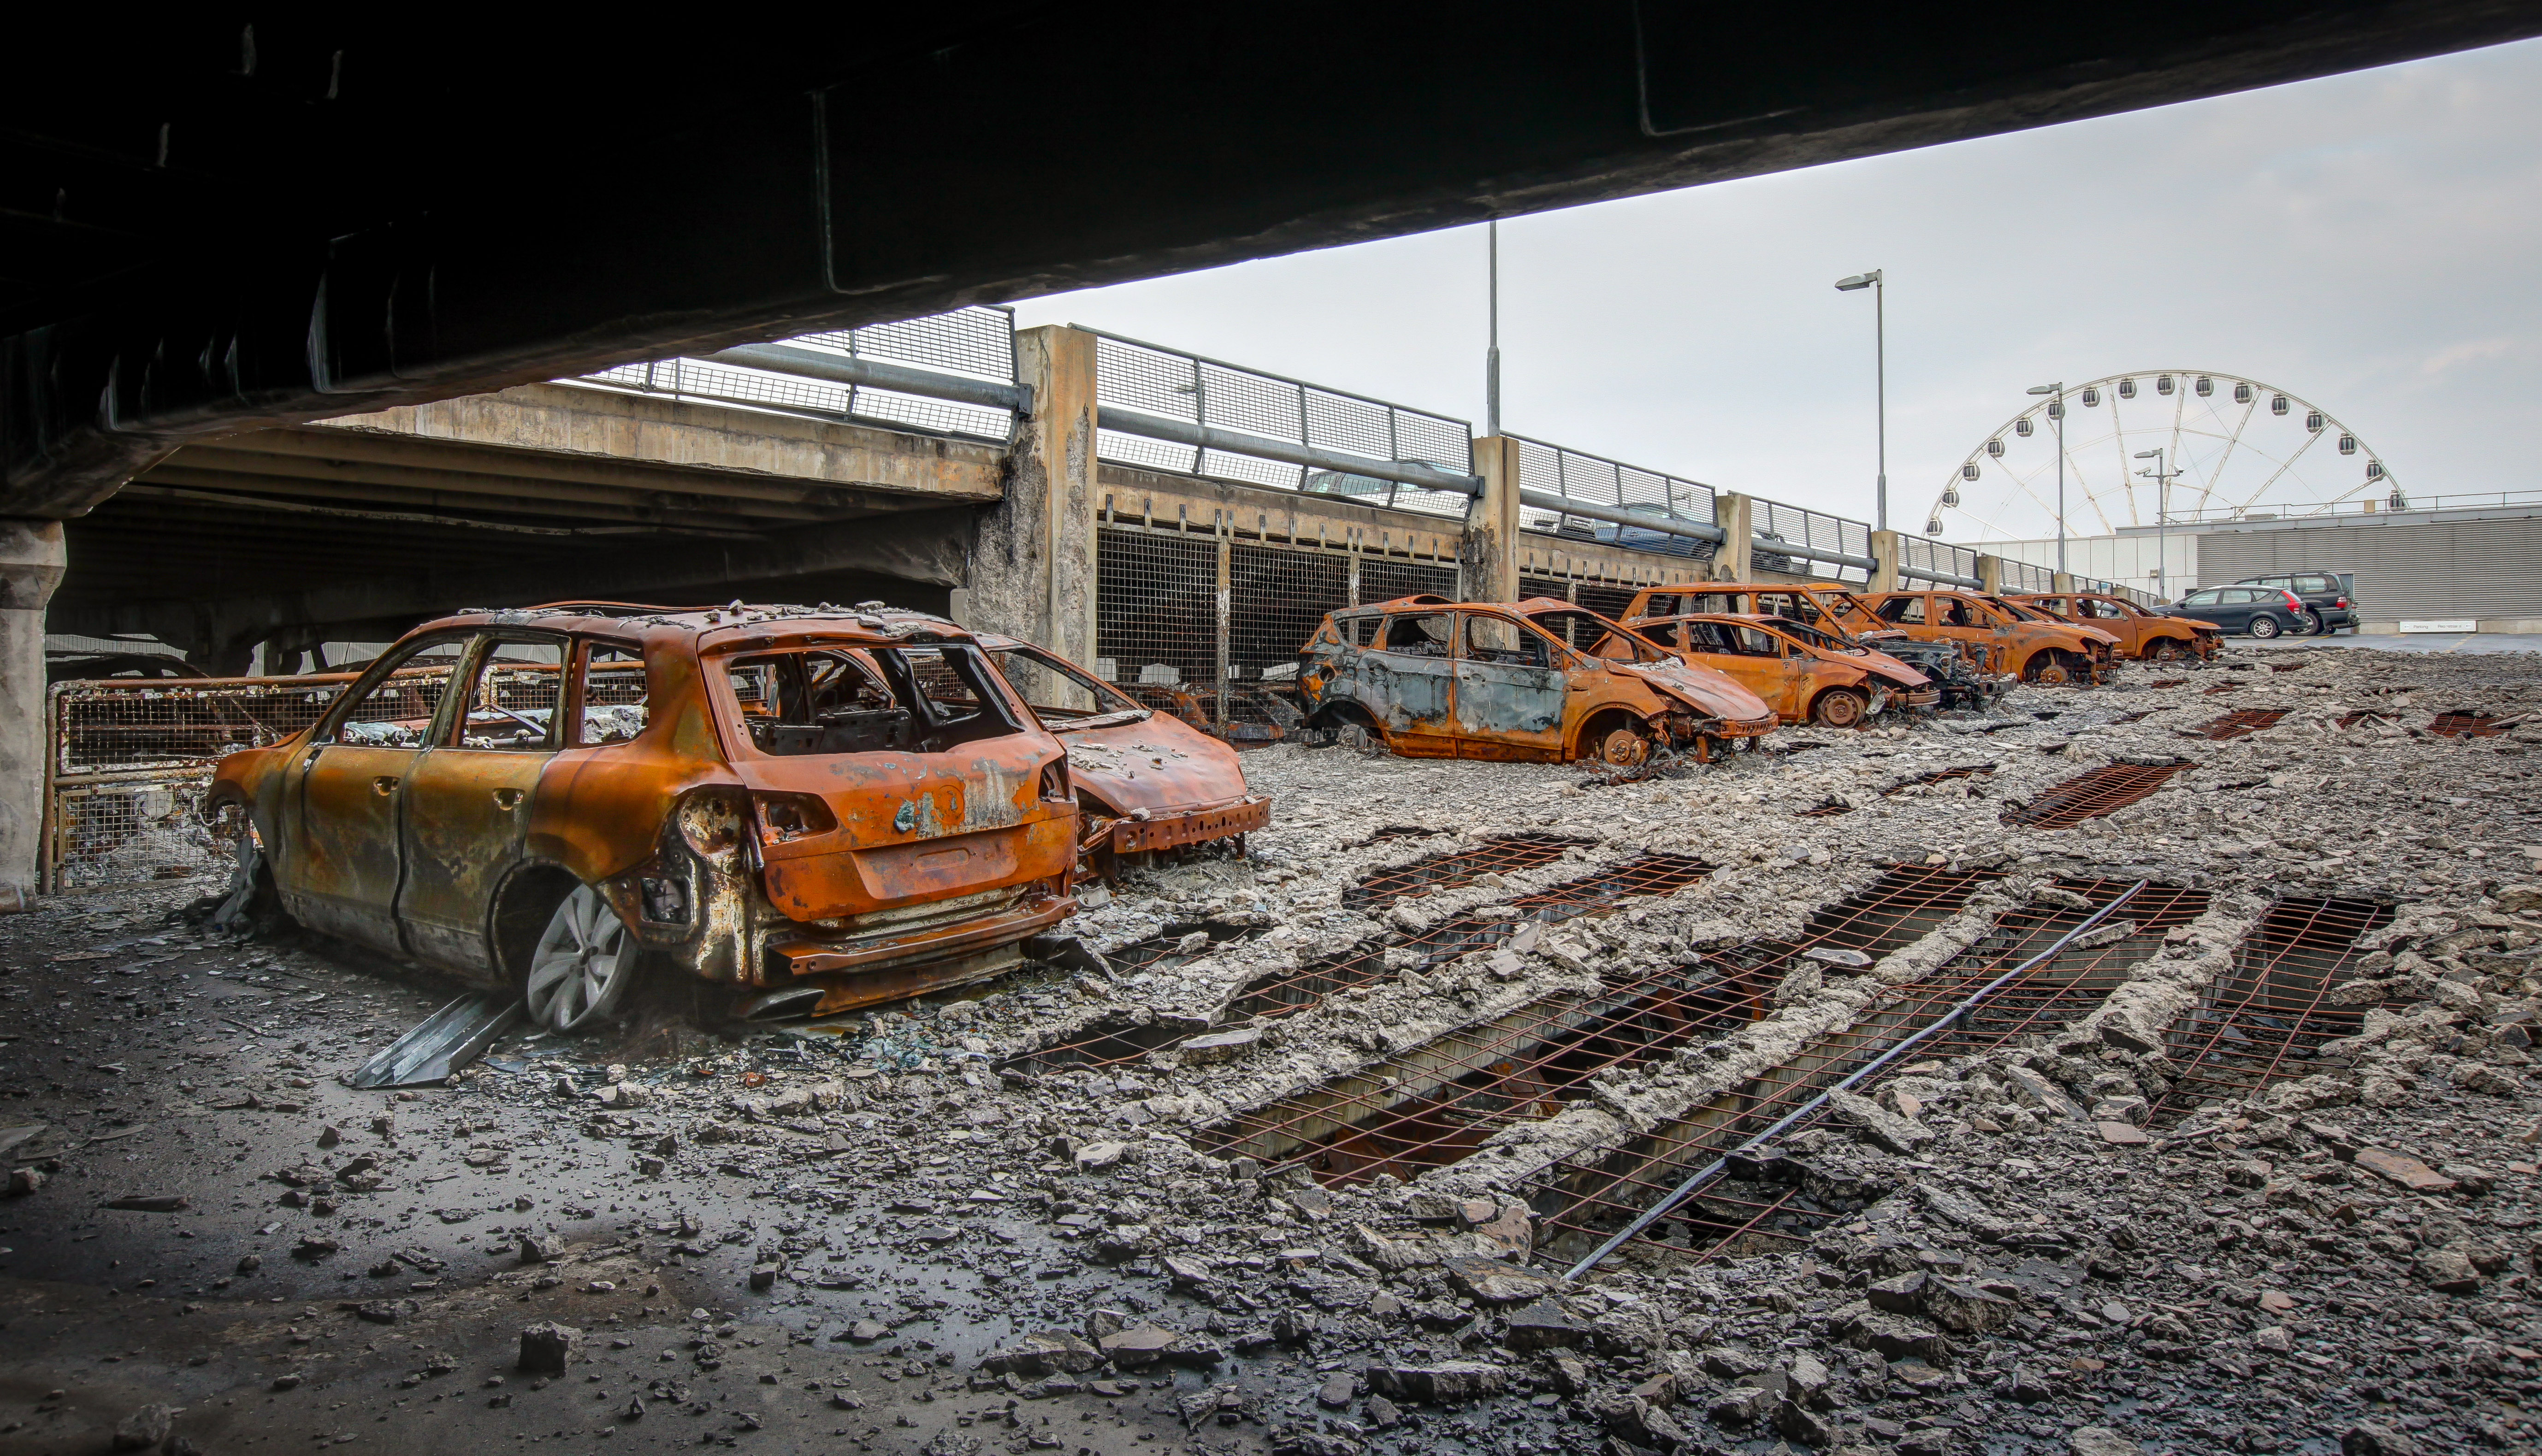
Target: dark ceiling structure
226, 220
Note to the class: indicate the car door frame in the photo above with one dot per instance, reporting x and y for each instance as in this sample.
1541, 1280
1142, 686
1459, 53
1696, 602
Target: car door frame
1381, 672
363, 911
1479, 687
467, 817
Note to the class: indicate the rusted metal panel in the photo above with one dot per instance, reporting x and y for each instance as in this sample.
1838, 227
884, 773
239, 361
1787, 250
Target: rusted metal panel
1962, 676
1792, 666
2147, 636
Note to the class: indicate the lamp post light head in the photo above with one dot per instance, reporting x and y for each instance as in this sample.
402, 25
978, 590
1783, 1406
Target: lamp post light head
2150, 455
2045, 389
1857, 281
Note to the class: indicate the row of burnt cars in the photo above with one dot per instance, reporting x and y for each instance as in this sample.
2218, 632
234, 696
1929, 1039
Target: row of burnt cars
824, 808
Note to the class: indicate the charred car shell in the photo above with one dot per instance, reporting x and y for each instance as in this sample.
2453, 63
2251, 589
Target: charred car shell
1145, 780
1806, 676
2147, 636
1532, 681
1958, 670
828, 807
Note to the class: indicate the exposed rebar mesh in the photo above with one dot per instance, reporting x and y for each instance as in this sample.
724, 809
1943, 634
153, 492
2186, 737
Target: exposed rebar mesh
1460, 868
1432, 1105
2239, 723
1589, 1199
2266, 1019
2169, 682
1940, 775
2467, 725
2220, 687
2105, 790
1129, 1036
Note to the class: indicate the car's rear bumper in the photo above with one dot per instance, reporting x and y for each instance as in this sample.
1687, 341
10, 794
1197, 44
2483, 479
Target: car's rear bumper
1178, 828
1037, 908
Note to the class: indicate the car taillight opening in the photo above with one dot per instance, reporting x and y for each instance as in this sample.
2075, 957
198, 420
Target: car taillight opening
783, 817
1054, 782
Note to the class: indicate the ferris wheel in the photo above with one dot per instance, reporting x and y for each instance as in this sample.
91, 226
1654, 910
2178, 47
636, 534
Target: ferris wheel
2167, 446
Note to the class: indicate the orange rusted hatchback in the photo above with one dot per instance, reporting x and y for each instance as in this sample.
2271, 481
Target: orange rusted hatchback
1145, 780
2017, 642
1805, 675
2147, 636
1536, 680
821, 808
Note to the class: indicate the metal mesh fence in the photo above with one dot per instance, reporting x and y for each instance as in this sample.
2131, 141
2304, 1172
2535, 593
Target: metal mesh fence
1919, 553
1381, 579
1276, 600
1771, 521
1174, 385
1593, 479
1556, 587
1155, 608
975, 342
2023, 576
1607, 601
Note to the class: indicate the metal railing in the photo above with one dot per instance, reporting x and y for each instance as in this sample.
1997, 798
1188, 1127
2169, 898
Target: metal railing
1196, 415
1609, 486
1795, 541
2371, 505
1922, 559
971, 345
2025, 576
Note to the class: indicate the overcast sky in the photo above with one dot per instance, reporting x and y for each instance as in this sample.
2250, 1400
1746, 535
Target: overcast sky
2367, 242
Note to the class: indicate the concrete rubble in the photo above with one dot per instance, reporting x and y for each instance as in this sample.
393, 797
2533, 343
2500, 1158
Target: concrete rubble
921, 1228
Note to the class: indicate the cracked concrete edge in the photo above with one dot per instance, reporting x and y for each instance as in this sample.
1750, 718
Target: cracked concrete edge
2161, 988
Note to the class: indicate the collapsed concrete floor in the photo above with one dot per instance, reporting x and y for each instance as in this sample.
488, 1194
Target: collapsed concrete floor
2246, 1164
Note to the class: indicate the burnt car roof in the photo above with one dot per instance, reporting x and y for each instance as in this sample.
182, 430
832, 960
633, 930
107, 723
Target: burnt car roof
869, 620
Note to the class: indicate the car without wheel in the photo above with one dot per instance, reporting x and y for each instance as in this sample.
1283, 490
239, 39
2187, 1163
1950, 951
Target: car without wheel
1146, 780
1519, 681
1805, 675
818, 807
2015, 640
2262, 611
2147, 636
1958, 670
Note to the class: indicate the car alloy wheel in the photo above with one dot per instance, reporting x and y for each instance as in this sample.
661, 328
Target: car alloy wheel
2264, 627
2305, 624
2166, 649
583, 965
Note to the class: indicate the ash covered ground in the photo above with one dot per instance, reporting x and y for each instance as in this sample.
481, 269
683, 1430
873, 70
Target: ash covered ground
1026, 1216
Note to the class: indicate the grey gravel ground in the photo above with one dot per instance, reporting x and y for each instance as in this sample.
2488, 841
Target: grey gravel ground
864, 1236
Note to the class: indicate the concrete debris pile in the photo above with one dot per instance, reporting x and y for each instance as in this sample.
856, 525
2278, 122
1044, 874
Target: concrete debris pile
1294, 1152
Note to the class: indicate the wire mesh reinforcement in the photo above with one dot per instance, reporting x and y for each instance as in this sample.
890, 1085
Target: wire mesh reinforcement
1431, 1106
2220, 688
1591, 1198
2267, 1017
2105, 790
1457, 868
2239, 723
2170, 683
2467, 725
1284, 992
1940, 775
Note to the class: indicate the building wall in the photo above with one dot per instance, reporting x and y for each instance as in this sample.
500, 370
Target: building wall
2128, 560
2485, 567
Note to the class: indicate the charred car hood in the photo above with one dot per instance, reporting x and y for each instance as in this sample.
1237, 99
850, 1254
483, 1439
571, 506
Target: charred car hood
1159, 764
1895, 673
1711, 694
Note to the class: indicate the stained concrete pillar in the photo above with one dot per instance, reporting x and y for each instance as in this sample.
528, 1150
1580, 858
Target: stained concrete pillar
1735, 514
2060, 581
1883, 556
1487, 564
31, 566
1991, 575
1033, 554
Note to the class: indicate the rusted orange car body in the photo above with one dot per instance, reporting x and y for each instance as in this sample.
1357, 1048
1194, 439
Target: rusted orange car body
2019, 642
1959, 671
2147, 636
1539, 679
1805, 675
830, 806
1146, 780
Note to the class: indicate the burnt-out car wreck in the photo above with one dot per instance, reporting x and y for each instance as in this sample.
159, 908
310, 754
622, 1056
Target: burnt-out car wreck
818, 809
1537, 679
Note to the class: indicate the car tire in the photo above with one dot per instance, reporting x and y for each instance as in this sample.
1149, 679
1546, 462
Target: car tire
1839, 707
2304, 625
583, 965
2166, 649
2265, 626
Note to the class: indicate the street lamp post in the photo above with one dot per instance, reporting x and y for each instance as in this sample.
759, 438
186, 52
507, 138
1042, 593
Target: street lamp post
1880, 374
2056, 416
1492, 357
2161, 477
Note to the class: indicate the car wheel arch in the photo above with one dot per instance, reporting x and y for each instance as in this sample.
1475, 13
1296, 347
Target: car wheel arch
1594, 727
518, 911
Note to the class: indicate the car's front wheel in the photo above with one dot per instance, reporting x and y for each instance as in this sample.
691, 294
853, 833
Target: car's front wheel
585, 962
2265, 625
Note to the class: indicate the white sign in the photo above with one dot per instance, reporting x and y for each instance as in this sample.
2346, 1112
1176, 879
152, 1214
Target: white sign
2443, 625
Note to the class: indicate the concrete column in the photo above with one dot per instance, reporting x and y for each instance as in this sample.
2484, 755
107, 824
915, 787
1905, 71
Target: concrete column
1032, 556
1990, 575
1488, 564
2060, 581
1885, 552
1734, 514
31, 566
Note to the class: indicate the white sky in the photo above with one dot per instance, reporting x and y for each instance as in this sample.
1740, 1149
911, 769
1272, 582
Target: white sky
2367, 242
